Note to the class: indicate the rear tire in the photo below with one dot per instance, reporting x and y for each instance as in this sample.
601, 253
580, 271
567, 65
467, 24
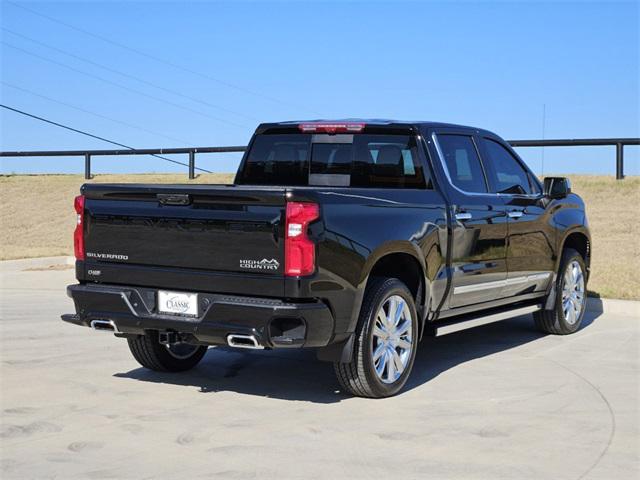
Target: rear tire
571, 297
151, 354
385, 343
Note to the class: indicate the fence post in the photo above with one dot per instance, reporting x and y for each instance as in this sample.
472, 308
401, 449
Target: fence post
192, 164
619, 161
87, 166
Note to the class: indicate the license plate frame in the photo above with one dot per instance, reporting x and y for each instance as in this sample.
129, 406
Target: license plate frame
181, 304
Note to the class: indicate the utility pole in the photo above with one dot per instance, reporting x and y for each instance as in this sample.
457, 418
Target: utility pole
544, 118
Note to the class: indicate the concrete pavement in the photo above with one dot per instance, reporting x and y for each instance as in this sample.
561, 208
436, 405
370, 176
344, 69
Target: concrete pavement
496, 402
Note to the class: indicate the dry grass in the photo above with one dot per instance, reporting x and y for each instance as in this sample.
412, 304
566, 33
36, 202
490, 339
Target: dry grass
36, 220
37, 216
615, 234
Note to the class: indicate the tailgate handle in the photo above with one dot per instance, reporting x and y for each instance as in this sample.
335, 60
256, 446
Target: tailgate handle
173, 199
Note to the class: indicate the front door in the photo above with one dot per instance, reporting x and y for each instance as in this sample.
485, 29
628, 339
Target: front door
530, 252
478, 264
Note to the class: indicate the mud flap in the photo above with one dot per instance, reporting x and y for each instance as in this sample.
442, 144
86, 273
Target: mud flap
550, 303
341, 352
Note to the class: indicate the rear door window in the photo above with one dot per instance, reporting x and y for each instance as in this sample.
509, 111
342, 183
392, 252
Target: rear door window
462, 162
360, 160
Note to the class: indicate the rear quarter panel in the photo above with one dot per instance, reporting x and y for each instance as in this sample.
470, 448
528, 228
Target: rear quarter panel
360, 226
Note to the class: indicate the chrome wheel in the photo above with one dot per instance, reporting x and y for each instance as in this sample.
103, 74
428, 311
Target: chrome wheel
181, 351
392, 339
573, 294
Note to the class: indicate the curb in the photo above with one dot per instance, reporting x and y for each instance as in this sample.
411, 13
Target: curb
628, 308
23, 263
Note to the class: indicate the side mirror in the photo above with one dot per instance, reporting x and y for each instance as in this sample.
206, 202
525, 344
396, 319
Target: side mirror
556, 187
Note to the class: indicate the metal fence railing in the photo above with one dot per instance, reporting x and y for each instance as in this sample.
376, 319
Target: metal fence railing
618, 143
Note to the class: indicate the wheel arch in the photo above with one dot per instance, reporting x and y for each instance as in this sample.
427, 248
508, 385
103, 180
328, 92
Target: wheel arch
387, 260
580, 240
401, 260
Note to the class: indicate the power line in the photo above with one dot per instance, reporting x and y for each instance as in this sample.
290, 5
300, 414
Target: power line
128, 75
130, 125
154, 58
66, 127
119, 85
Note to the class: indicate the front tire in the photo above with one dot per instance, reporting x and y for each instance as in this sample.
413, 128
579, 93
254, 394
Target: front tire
571, 297
151, 354
385, 344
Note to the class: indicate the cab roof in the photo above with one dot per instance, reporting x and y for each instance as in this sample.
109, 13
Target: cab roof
372, 122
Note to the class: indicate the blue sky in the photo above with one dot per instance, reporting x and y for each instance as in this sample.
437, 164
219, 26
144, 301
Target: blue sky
165, 74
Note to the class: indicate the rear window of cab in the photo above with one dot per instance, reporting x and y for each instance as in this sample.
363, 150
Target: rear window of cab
341, 160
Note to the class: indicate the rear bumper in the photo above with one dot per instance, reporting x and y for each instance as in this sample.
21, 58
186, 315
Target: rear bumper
273, 322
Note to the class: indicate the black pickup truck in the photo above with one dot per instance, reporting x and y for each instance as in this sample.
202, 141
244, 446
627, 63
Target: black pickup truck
356, 238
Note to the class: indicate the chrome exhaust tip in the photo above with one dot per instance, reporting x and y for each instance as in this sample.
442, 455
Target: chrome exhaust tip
243, 341
104, 326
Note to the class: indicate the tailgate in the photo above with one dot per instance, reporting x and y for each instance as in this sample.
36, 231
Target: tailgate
217, 229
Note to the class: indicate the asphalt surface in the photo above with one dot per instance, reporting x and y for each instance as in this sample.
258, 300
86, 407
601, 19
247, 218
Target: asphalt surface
496, 402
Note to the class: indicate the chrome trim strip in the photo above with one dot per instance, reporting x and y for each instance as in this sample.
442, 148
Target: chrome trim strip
501, 283
517, 280
538, 276
479, 286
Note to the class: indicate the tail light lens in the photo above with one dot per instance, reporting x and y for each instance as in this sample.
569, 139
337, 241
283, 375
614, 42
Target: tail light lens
299, 250
78, 234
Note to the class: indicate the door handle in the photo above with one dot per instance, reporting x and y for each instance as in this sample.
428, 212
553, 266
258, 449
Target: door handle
463, 216
515, 214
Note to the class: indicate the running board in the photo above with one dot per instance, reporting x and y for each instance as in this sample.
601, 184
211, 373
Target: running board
453, 326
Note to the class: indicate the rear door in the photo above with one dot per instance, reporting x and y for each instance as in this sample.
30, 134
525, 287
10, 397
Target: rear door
530, 253
479, 268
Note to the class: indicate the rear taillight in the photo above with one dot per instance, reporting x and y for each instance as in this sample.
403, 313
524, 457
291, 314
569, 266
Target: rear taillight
299, 250
331, 128
78, 234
